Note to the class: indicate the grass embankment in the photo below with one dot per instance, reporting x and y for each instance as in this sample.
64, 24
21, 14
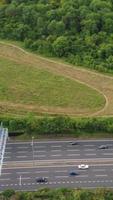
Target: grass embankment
30, 88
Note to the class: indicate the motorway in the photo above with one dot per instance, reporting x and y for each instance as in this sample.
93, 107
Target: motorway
23, 163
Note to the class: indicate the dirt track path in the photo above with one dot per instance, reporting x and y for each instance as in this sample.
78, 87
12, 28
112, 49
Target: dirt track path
100, 82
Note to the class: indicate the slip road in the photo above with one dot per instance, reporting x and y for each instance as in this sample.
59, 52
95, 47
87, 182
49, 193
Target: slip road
24, 162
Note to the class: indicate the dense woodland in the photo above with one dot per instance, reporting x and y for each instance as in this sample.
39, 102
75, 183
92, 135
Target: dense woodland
59, 194
79, 31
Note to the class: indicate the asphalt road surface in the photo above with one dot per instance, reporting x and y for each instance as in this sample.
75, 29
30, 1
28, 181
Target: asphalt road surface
23, 163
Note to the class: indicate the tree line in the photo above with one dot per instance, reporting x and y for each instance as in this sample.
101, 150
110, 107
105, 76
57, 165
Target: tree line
59, 194
57, 126
79, 31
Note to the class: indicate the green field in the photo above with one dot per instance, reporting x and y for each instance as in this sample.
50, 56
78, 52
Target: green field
25, 88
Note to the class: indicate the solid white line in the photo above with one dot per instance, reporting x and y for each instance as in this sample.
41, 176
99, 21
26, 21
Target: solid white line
62, 141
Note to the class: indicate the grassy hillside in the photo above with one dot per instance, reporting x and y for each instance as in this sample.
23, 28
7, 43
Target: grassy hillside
31, 88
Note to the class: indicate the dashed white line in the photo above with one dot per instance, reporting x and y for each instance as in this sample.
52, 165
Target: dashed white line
73, 150
22, 151
89, 145
22, 172
22, 147
55, 146
107, 154
39, 156
5, 179
56, 155
41, 172
90, 154
73, 154
21, 156
61, 176
39, 151
60, 171
89, 149
102, 175
99, 170
56, 150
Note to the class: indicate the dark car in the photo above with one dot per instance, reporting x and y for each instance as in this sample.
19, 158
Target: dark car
73, 143
103, 147
73, 174
41, 180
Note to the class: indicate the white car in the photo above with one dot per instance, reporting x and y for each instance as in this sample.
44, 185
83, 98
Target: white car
83, 166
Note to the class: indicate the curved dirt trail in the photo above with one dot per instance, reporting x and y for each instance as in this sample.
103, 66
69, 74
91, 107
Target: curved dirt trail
97, 81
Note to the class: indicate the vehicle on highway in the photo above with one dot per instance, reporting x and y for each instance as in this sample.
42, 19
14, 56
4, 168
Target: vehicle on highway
73, 143
73, 173
103, 147
41, 180
83, 166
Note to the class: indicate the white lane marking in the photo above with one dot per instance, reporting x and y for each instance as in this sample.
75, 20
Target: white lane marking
7, 173
90, 154
89, 145
82, 176
8, 152
22, 172
8, 148
5, 179
38, 172
39, 156
61, 176
60, 171
89, 149
25, 178
21, 156
22, 147
39, 151
73, 154
39, 146
73, 150
56, 150
22, 151
55, 146
107, 154
56, 155
7, 156
99, 170
102, 175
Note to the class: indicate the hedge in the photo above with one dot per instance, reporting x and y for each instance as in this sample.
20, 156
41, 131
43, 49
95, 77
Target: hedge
57, 125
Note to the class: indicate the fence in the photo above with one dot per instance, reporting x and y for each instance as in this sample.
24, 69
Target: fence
3, 139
